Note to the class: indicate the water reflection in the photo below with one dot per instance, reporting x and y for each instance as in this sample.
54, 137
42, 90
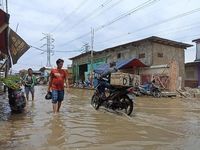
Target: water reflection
57, 129
157, 124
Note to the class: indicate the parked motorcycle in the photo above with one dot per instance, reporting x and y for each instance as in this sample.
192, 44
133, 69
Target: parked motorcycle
119, 98
17, 100
148, 89
87, 84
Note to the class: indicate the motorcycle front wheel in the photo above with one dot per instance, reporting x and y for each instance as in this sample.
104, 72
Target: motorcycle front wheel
95, 101
127, 104
156, 94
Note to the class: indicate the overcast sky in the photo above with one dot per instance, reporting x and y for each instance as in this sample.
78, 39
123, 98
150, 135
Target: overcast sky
70, 23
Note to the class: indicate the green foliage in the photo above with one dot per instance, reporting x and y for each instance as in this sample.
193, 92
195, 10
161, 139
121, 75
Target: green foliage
12, 82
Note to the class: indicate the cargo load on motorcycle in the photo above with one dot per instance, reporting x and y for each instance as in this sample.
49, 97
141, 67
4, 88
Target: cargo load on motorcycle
119, 85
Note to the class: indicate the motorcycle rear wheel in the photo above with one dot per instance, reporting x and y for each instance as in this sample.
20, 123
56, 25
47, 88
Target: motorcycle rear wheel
127, 104
95, 102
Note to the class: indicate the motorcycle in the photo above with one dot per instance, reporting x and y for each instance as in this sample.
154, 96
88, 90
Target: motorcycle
87, 84
119, 98
148, 89
17, 100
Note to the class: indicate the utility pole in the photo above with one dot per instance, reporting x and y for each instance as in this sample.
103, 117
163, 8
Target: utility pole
6, 6
8, 59
92, 57
92, 47
50, 47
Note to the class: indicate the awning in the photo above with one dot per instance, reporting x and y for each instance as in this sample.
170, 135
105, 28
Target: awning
121, 64
17, 46
102, 69
131, 63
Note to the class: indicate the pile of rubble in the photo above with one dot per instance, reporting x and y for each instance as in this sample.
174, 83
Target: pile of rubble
188, 92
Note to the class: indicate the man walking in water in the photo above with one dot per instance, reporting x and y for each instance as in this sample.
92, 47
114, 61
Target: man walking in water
57, 79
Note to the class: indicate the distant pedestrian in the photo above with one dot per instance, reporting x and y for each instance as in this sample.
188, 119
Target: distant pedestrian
29, 83
58, 77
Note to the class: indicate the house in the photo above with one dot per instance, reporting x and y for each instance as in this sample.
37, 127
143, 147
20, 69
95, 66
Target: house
155, 52
192, 69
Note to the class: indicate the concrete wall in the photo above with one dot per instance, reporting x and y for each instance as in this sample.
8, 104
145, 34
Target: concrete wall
191, 72
169, 53
161, 70
153, 54
86, 60
132, 51
191, 76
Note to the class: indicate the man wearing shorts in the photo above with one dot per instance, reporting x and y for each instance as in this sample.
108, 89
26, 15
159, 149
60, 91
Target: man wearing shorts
57, 79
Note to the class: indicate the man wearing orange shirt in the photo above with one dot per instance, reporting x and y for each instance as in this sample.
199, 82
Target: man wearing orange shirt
58, 77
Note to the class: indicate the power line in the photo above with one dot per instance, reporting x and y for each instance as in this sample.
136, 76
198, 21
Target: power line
89, 15
141, 6
158, 23
189, 36
113, 5
37, 48
72, 12
80, 37
184, 28
78, 50
167, 20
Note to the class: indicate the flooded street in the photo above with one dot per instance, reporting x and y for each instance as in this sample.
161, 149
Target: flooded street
156, 124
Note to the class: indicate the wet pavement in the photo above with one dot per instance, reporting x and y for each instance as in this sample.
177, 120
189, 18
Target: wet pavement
157, 124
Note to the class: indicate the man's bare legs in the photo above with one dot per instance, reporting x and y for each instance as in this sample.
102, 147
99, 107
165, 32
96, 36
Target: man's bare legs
56, 107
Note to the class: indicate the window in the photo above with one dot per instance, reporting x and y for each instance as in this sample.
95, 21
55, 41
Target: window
119, 55
142, 55
160, 55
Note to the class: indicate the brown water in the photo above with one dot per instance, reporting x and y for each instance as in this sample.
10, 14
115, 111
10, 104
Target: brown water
157, 124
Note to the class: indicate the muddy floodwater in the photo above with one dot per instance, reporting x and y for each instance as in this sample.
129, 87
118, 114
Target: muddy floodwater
156, 124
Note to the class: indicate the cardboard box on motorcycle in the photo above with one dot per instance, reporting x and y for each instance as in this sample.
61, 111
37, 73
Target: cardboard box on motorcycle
124, 79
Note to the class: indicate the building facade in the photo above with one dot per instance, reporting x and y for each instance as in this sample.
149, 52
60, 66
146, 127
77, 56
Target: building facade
192, 69
152, 51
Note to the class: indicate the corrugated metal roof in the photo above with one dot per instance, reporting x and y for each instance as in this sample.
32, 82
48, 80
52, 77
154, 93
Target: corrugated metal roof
121, 64
152, 39
196, 40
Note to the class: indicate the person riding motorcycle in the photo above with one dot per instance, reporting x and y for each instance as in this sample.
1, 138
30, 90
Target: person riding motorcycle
104, 80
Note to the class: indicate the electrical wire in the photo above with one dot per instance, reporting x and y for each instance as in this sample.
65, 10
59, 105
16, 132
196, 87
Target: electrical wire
88, 15
37, 48
79, 50
159, 23
109, 8
141, 6
184, 28
70, 14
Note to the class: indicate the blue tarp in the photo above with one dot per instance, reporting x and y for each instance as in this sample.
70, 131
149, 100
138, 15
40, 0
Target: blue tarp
121, 64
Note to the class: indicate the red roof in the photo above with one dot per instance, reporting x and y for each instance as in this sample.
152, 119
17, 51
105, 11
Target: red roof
133, 63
